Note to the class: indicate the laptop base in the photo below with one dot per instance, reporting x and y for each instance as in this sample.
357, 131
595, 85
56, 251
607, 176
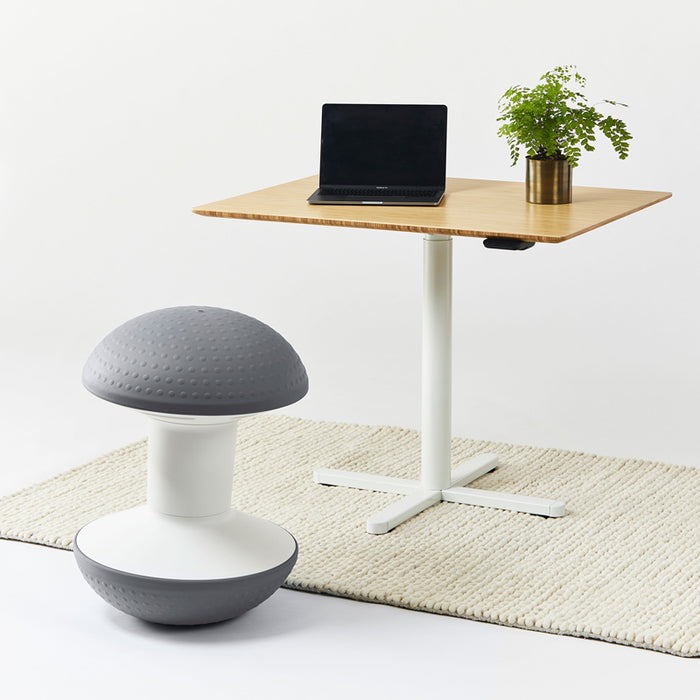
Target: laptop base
403, 201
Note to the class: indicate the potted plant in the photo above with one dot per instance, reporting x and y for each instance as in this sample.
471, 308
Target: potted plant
553, 123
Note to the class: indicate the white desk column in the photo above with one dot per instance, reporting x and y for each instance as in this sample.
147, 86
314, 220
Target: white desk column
438, 482
436, 391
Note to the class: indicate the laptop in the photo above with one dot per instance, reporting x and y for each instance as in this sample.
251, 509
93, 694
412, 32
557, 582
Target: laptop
382, 154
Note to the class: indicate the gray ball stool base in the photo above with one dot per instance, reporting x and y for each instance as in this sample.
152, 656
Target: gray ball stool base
187, 557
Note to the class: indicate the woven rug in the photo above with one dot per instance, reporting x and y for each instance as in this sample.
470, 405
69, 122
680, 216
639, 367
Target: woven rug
623, 565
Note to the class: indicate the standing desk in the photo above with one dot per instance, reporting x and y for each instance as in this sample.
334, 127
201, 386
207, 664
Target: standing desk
493, 210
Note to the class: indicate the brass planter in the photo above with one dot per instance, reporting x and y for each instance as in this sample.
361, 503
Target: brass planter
548, 181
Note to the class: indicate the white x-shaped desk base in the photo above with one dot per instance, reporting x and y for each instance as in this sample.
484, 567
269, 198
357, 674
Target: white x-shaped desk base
418, 498
438, 481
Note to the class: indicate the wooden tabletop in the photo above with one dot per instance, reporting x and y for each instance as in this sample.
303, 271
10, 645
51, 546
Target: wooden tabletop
478, 208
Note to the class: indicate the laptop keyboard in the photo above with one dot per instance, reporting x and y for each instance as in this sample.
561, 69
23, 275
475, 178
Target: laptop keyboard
373, 192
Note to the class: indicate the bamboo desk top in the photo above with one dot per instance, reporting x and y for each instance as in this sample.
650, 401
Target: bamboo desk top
478, 208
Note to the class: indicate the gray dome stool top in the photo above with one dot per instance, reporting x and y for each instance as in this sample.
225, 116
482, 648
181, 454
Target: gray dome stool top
186, 557
196, 360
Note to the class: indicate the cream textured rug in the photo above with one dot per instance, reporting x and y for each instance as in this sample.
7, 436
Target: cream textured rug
623, 565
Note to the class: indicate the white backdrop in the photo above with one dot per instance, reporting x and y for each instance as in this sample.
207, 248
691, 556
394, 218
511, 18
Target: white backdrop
117, 118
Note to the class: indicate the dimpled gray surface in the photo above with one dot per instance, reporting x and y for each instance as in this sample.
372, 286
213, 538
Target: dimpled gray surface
196, 360
181, 602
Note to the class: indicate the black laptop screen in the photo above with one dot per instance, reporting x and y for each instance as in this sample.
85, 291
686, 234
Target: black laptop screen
383, 145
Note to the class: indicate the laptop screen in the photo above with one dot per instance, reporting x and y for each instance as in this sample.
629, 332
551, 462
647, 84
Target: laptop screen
383, 145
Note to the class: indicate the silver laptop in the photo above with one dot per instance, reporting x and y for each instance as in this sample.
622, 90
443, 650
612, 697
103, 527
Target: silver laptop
382, 155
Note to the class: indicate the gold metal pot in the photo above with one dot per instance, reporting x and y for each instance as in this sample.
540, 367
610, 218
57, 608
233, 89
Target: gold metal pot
548, 181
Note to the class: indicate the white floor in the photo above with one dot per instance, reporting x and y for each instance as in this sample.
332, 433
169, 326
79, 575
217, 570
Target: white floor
59, 639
